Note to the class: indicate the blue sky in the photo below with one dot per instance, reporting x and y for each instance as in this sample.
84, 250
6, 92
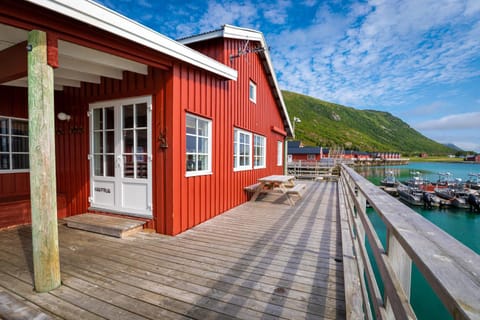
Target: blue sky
417, 59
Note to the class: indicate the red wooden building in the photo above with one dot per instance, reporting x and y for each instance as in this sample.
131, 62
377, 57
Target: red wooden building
146, 126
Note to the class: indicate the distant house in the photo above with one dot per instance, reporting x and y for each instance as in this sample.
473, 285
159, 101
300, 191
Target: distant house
165, 131
298, 152
473, 158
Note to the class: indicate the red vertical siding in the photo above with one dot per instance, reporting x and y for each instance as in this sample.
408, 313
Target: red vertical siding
227, 105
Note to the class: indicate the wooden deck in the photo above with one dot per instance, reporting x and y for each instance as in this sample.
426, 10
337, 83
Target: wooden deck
261, 260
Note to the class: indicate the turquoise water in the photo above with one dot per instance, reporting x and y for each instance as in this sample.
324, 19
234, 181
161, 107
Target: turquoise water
459, 223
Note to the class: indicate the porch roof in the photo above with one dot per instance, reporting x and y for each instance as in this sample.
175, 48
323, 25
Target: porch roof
79, 63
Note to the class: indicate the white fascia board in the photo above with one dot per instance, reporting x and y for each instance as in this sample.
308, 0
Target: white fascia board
92, 13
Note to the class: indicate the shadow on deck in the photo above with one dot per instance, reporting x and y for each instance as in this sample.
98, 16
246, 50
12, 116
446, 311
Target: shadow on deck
260, 260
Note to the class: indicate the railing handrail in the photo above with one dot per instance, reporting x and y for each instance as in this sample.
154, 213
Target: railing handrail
450, 268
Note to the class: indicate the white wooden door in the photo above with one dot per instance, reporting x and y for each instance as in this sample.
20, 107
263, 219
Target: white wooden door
121, 157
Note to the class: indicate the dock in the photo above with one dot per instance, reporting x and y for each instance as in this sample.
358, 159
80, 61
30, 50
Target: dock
263, 259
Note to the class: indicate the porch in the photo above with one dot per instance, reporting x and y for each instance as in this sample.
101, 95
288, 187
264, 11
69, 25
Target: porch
259, 260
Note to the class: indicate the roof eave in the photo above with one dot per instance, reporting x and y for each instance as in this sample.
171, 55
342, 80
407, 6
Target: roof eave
92, 13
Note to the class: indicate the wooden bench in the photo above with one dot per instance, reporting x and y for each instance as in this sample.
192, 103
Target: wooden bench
296, 189
253, 187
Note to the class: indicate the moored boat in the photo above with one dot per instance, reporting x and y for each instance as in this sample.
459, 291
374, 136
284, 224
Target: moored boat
411, 195
473, 181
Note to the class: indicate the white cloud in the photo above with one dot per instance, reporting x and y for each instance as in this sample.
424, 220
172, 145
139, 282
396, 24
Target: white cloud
469, 120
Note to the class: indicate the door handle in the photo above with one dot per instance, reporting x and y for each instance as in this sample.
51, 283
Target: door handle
119, 161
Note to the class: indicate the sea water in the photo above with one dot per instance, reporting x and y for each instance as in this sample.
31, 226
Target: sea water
459, 223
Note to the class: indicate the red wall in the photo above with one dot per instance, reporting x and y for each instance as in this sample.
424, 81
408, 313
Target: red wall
303, 157
227, 104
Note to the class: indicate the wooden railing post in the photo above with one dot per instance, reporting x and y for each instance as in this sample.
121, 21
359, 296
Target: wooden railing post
401, 265
46, 263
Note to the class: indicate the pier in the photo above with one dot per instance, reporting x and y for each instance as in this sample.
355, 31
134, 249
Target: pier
263, 259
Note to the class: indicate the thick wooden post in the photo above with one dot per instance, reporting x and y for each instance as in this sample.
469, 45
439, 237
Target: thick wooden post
46, 263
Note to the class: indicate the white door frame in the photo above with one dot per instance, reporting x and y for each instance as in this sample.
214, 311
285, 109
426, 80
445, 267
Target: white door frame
118, 182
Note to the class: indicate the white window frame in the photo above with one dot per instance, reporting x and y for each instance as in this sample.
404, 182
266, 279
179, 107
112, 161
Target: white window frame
236, 150
208, 154
10, 152
311, 157
252, 91
260, 147
279, 153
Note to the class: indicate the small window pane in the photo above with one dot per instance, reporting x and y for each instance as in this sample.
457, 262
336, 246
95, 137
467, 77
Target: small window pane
191, 161
109, 166
4, 126
110, 143
20, 161
141, 167
98, 142
191, 125
98, 165
202, 128
141, 115
191, 144
4, 161
202, 145
128, 166
19, 144
141, 141
202, 162
20, 127
109, 118
128, 141
128, 116
4, 145
98, 119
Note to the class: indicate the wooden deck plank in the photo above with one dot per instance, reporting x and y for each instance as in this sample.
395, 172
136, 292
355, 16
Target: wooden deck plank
259, 260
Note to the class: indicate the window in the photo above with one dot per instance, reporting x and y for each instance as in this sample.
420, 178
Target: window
258, 151
279, 153
13, 145
198, 146
242, 150
311, 157
253, 91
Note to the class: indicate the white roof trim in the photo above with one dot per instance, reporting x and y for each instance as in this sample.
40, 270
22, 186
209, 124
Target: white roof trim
233, 32
92, 13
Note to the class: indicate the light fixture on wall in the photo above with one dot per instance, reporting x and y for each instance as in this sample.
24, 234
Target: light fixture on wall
62, 116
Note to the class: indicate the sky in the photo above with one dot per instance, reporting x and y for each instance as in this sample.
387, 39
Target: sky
417, 59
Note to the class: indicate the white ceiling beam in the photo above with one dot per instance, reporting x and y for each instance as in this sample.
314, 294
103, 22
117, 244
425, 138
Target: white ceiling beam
76, 75
91, 55
67, 82
23, 83
71, 63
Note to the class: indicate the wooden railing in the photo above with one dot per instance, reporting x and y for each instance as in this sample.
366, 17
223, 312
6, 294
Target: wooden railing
450, 268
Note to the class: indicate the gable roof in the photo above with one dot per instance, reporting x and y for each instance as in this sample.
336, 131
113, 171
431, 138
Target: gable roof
95, 14
232, 32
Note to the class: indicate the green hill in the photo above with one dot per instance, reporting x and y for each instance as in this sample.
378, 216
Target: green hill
333, 125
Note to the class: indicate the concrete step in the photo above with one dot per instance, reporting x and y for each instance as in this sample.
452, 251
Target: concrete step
103, 224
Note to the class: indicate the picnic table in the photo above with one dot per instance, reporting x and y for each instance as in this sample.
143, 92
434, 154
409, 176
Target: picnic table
284, 184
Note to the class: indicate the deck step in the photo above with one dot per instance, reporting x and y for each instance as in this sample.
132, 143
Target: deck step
13, 308
107, 225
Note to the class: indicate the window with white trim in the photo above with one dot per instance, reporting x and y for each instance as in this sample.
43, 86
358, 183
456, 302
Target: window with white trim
13, 145
198, 146
252, 91
279, 153
242, 150
259, 151
311, 157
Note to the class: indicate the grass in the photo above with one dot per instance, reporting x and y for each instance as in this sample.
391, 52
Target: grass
436, 159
